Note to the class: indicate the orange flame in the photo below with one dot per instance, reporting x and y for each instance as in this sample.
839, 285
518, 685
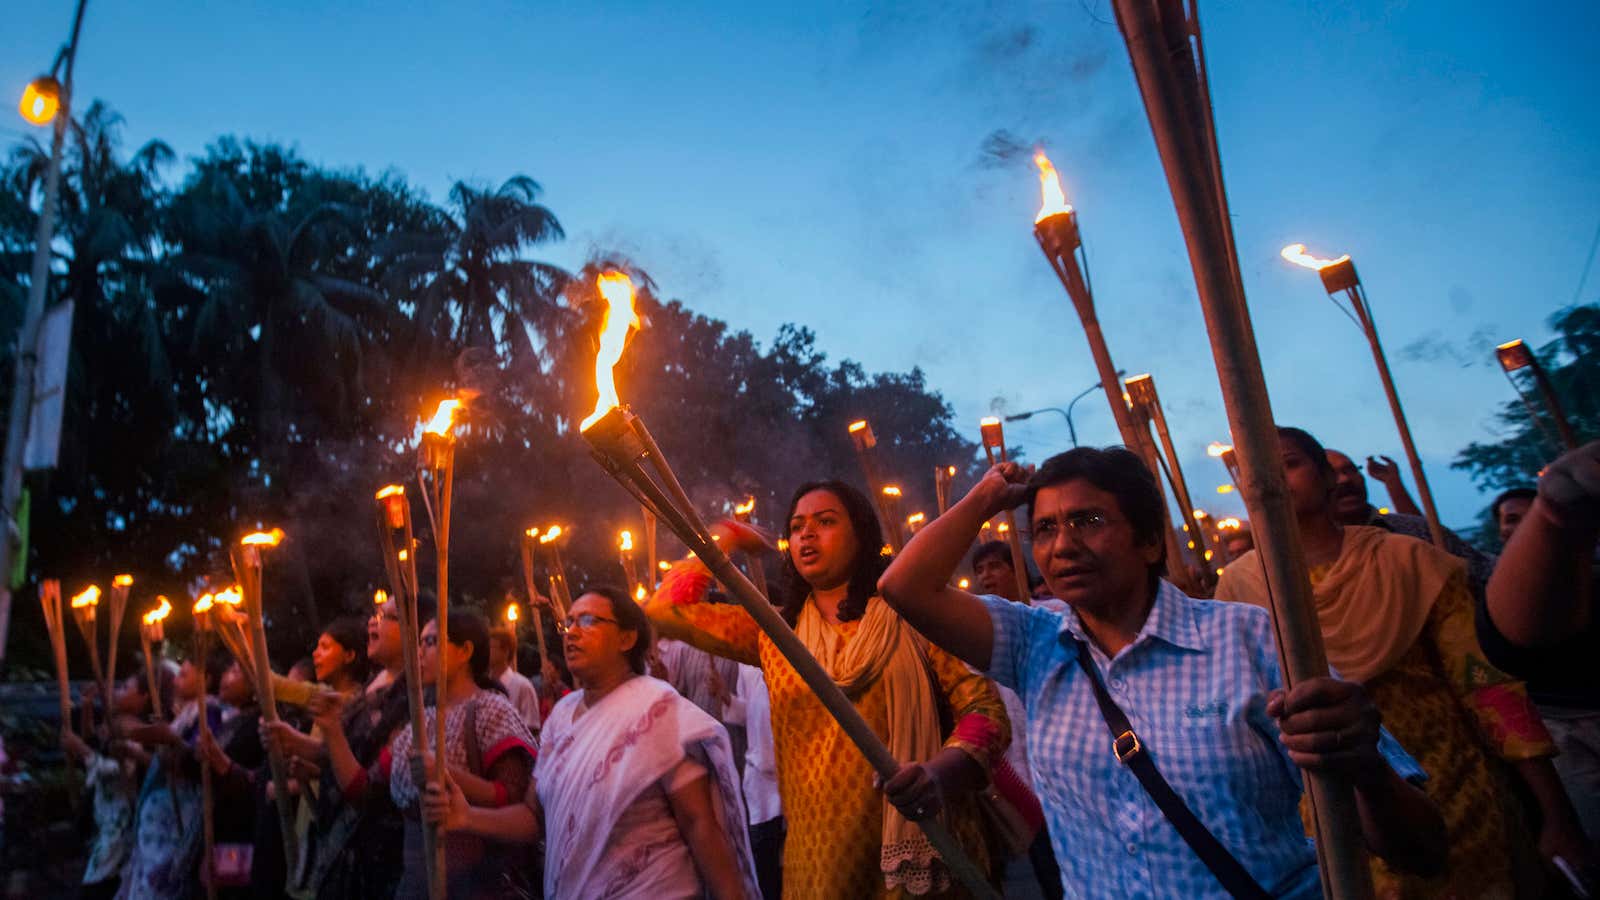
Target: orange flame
203, 605
745, 508
916, 519
159, 613
511, 612
963, 584
1224, 488
380, 597
263, 538
550, 534
891, 491
951, 471
625, 541
1053, 200
389, 490
230, 595
617, 288
857, 425
1200, 514
1229, 524
444, 418
1296, 253
664, 566
122, 581
1216, 449
639, 593
89, 596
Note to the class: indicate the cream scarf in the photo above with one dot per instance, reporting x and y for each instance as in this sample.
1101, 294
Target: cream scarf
884, 648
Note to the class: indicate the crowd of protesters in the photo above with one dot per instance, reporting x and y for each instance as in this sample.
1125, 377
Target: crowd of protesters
1109, 735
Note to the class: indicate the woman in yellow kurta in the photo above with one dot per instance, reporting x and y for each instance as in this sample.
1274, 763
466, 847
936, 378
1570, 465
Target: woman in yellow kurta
1397, 616
844, 840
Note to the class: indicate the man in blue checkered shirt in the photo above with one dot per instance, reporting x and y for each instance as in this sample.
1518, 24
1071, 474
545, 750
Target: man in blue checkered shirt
1198, 680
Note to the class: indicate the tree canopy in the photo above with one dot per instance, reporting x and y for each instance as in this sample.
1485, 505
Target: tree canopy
256, 338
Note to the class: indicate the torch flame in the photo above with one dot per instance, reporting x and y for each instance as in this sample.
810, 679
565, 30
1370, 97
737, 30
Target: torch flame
1216, 449
1224, 488
1053, 200
203, 605
1229, 524
664, 566
639, 593
230, 595
1200, 514
951, 471
891, 491
857, 425
963, 584
1296, 253
389, 490
159, 613
550, 534
444, 418
617, 288
745, 508
511, 612
122, 581
380, 597
916, 519
263, 538
625, 541
89, 596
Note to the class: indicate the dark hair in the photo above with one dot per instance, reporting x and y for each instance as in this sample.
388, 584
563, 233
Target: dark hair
350, 633
867, 567
630, 617
164, 684
1121, 473
992, 550
1516, 493
1310, 446
503, 636
470, 626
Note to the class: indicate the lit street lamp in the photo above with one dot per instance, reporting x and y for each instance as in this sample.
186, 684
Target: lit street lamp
44, 101
1340, 275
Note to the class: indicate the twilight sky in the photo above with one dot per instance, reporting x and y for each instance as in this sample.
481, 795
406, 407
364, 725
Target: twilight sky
825, 163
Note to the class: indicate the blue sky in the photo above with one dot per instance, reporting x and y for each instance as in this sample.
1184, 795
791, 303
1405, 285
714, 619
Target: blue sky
824, 163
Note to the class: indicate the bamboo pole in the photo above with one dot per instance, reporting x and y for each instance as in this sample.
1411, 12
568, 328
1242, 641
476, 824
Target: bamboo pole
202, 640
398, 546
50, 602
620, 441
247, 569
116, 606
1178, 105
526, 549
1142, 391
758, 572
436, 476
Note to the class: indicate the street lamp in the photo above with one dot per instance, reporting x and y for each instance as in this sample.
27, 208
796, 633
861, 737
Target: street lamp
1340, 275
44, 101
1065, 413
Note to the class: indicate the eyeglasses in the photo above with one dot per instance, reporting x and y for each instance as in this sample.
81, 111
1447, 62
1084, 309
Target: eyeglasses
431, 641
1083, 526
585, 621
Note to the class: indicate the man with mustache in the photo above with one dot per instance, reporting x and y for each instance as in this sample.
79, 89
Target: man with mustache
1200, 678
1350, 507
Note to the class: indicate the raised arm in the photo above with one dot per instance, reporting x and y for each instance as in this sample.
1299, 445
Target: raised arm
917, 583
1542, 590
679, 609
1384, 469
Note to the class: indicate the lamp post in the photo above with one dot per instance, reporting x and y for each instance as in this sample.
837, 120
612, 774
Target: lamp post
45, 101
1339, 275
1514, 355
1072, 432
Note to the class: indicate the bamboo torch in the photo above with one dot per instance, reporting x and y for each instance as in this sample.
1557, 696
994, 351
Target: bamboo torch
153, 631
1230, 461
526, 545
942, 478
50, 603
202, 646
651, 574
630, 571
1142, 392
1340, 275
247, 566
84, 605
1165, 46
865, 444
117, 606
550, 539
399, 561
891, 496
513, 621
1514, 355
624, 447
436, 456
742, 512
994, 447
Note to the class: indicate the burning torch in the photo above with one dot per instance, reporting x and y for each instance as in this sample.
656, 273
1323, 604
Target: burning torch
758, 571
247, 565
994, 447
153, 631
1142, 393
1514, 355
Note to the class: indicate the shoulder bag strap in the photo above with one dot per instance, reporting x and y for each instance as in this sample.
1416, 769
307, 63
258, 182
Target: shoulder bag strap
1130, 752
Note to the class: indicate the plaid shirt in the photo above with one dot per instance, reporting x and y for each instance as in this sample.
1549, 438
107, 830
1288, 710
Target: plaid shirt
1194, 685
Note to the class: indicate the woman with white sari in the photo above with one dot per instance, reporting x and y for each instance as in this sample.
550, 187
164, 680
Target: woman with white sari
636, 784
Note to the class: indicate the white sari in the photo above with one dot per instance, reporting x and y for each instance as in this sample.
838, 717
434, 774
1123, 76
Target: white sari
592, 770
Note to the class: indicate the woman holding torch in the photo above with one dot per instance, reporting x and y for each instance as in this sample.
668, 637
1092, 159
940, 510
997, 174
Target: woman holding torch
845, 838
490, 755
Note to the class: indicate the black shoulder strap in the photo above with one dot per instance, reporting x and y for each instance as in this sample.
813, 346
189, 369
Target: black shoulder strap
1130, 752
